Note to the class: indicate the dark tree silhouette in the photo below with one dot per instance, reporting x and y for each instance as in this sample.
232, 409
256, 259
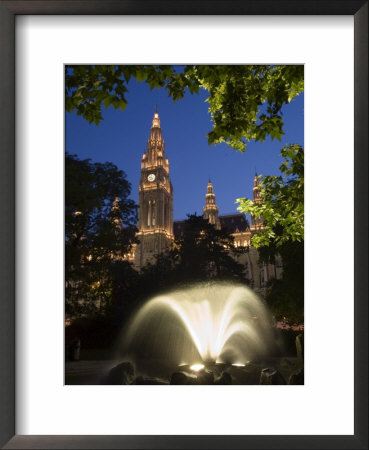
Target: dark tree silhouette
99, 230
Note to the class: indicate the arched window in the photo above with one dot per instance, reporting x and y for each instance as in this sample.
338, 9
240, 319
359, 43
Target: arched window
153, 213
149, 213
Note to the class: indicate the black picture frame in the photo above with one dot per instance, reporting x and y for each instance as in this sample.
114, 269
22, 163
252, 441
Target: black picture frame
8, 12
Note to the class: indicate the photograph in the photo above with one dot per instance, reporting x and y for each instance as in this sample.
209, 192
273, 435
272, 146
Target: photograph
184, 224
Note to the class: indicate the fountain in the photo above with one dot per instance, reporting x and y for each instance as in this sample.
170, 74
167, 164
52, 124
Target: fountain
205, 324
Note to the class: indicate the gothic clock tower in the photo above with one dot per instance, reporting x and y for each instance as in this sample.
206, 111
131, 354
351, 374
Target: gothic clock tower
155, 217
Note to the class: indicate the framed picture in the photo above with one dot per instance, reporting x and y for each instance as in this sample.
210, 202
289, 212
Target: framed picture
40, 408
202, 271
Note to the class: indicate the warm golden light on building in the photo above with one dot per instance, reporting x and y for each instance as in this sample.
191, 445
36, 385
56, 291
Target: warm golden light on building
257, 223
155, 221
156, 229
210, 210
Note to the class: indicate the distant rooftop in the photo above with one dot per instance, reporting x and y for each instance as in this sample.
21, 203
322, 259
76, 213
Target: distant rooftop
232, 222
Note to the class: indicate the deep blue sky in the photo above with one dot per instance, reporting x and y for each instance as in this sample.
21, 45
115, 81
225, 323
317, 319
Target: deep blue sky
121, 138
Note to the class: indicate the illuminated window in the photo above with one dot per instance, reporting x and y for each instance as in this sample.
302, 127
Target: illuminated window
149, 214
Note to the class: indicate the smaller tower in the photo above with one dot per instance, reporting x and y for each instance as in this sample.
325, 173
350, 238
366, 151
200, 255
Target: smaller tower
256, 222
115, 214
210, 209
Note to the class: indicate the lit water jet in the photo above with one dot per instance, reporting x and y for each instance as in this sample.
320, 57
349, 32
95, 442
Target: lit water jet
221, 322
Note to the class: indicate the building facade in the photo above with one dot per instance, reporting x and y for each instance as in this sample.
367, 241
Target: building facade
157, 231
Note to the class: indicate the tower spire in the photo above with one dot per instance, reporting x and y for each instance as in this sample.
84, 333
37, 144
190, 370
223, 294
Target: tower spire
115, 214
210, 209
155, 144
156, 119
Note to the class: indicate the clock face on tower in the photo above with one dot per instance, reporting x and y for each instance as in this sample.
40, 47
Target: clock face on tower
151, 177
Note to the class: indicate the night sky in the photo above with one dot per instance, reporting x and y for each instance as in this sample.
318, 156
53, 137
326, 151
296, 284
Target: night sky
121, 139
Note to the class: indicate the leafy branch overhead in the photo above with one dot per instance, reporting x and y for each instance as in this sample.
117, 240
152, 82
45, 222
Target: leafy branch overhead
282, 201
245, 102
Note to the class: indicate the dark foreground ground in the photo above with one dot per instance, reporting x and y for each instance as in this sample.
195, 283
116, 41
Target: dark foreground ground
101, 367
284, 370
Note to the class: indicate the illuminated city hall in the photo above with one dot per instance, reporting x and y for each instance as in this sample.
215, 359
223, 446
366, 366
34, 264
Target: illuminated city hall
157, 231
